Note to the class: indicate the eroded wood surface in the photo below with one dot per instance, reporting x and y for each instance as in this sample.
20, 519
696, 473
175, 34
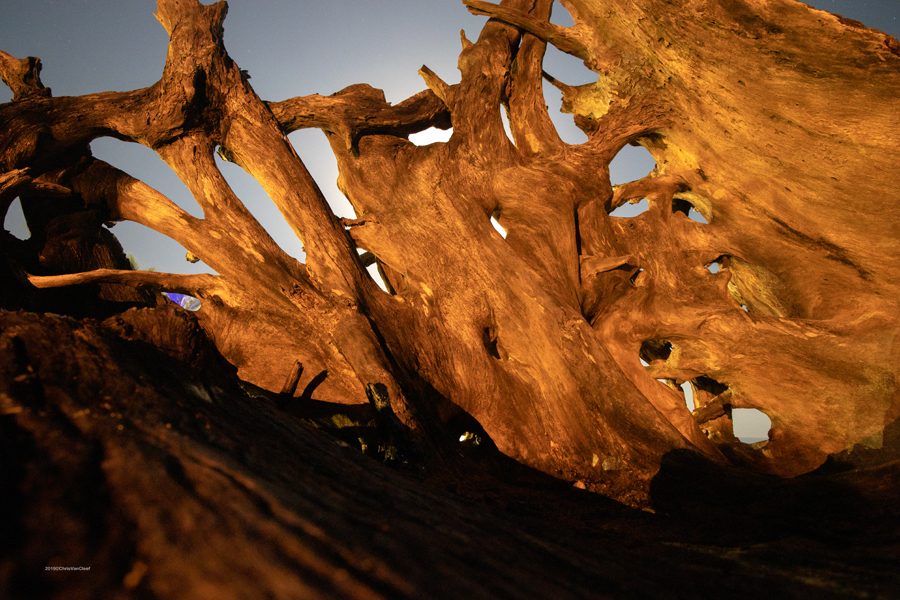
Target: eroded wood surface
168, 481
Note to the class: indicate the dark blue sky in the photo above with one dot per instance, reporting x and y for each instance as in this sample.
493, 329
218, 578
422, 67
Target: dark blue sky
290, 48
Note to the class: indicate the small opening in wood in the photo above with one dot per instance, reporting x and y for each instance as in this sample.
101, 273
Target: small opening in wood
688, 392
492, 343
500, 229
14, 222
694, 215
685, 207
710, 385
751, 426
370, 262
464, 429
630, 164
631, 209
432, 135
184, 301
504, 117
710, 402
717, 265
655, 350
561, 16
636, 276
680, 205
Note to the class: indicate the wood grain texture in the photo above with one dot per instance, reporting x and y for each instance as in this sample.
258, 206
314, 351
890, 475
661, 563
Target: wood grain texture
129, 447
537, 336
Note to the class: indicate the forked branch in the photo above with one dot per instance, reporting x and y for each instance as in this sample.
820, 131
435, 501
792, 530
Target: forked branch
22, 76
360, 110
531, 126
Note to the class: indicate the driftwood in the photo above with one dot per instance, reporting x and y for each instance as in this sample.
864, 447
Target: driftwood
538, 336
775, 122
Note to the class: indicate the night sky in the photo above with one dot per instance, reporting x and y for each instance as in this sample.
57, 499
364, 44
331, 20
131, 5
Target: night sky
290, 48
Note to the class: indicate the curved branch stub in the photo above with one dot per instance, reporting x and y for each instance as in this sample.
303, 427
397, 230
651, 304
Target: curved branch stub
11, 184
652, 186
436, 84
360, 110
203, 285
548, 32
170, 12
531, 126
466, 43
22, 76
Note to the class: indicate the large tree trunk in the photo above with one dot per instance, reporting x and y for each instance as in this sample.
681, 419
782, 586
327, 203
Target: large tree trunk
754, 120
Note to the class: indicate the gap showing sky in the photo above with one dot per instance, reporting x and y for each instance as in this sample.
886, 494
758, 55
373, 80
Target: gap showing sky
290, 49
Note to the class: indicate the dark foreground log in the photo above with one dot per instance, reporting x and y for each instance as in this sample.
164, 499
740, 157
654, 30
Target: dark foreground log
144, 460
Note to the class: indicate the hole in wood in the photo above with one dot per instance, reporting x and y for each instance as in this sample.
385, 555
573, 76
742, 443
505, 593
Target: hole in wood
680, 205
751, 425
506, 127
630, 164
14, 221
685, 207
636, 276
631, 209
432, 135
498, 227
370, 262
655, 350
688, 392
694, 215
709, 385
184, 301
719, 264
710, 407
561, 16
492, 343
